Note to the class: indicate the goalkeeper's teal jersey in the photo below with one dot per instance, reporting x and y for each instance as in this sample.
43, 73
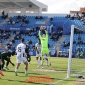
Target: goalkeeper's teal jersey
44, 41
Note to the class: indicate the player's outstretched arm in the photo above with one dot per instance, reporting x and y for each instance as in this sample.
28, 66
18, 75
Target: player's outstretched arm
39, 35
46, 34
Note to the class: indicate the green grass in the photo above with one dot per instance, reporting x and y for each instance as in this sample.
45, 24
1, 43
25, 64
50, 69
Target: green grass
58, 64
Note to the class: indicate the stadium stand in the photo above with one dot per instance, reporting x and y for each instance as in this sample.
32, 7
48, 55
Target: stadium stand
27, 22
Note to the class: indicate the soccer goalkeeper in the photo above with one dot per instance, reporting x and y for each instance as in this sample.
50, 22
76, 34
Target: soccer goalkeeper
44, 44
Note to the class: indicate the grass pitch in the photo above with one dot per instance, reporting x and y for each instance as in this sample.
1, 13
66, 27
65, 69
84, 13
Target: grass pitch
57, 72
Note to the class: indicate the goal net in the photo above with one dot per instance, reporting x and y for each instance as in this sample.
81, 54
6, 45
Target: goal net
76, 60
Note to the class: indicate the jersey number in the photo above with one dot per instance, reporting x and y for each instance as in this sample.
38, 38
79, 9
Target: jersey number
19, 49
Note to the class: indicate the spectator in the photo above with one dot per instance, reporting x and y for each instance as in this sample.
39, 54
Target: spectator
79, 54
51, 19
79, 37
51, 27
68, 16
3, 13
64, 44
6, 16
33, 29
10, 43
26, 21
23, 24
13, 22
37, 28
30, 42
16, 21
61, 32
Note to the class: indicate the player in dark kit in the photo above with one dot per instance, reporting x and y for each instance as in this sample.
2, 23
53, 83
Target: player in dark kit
7, 56
1, 63
27, 53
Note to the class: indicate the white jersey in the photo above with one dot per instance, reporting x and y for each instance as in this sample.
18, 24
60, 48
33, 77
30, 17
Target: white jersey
38, 46
20, 49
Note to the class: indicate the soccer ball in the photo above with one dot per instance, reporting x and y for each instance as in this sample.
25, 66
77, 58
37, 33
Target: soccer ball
42, 28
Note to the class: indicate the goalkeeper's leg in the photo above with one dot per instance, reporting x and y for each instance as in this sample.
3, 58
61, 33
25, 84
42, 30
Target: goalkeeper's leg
45, 54
47, 57
42, 62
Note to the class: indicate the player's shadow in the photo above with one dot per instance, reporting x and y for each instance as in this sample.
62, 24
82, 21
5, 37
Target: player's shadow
35, 83
22, 81
13, 80
28, 73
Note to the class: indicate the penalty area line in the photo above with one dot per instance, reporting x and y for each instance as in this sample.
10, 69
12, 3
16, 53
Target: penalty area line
58, 81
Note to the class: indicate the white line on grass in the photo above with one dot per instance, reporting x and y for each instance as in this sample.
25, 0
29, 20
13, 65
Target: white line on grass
58, 81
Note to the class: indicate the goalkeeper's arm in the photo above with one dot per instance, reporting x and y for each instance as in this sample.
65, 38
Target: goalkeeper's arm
46, 34
39, 35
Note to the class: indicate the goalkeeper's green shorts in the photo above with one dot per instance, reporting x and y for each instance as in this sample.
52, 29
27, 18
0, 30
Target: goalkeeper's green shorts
45, 51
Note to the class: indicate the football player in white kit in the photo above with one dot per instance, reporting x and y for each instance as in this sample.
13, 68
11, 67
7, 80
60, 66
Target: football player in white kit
38, 52
21, 57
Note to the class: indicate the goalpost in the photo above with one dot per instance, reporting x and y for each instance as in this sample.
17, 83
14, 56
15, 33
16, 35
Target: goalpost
76, 65
70, 51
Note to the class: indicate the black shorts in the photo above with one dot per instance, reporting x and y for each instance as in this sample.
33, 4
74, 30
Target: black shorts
28, 56
13, 53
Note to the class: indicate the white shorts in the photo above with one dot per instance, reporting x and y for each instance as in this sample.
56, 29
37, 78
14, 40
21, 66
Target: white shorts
20, 58
45, 56
38, 55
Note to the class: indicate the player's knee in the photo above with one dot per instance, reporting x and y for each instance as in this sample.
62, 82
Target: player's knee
18, 65
26, 63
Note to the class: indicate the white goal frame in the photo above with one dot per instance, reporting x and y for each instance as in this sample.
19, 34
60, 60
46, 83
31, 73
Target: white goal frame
70, 51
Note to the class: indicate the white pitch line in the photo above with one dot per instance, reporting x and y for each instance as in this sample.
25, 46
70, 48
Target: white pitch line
59, 81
